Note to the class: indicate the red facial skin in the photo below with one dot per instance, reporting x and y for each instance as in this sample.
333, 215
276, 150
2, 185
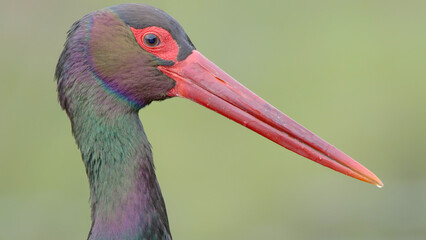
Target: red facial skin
201, 81
167, 48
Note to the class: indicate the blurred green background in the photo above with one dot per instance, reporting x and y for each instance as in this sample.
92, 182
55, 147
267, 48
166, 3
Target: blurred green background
351, 71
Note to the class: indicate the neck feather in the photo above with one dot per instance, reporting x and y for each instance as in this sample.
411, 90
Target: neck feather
125, 196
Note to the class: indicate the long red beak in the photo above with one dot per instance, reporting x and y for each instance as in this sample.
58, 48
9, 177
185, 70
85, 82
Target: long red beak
201, 81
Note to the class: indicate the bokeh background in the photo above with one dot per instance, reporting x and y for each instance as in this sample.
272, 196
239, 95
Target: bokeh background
351, 71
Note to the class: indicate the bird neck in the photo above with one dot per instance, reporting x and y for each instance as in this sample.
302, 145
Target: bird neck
125, 196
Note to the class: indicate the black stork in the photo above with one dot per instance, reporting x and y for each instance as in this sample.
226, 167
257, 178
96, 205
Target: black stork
118, 60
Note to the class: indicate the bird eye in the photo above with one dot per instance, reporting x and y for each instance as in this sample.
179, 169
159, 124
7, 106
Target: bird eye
151, 40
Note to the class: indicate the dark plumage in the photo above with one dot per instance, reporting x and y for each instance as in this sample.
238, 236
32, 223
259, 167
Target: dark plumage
104, 78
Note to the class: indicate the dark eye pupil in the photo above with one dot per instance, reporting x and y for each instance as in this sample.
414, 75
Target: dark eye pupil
151, 40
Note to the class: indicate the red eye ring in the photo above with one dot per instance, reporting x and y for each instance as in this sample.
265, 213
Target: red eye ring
164, 48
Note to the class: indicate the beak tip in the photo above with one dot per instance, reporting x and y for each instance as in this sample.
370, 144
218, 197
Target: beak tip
375, 181
379, 184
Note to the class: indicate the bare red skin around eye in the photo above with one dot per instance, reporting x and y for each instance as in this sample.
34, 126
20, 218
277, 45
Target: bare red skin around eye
167, 49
